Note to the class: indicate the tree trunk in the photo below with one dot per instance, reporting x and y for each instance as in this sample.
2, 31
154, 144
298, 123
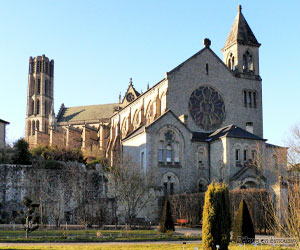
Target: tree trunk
26, 234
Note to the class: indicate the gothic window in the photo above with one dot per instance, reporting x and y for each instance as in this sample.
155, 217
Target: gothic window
39, 87
33, 127
124, 128
250, 98
37, 107
169, 154
46, 87
231, 62
46, 67
247, 62
169, 147
161, 152
37, 125
32, 107
150, 113
170, 183
136, 120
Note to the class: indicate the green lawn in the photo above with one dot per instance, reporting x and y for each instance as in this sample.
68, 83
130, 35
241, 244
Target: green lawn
133, 247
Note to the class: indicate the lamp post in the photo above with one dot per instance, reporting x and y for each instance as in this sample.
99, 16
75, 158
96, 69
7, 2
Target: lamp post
183, 243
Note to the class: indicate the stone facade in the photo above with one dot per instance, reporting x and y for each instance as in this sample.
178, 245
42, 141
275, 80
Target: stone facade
202, 122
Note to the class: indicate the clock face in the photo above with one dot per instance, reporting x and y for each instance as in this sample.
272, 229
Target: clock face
207, 108
130, 97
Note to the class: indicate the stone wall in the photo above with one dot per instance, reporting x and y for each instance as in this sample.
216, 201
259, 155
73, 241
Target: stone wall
68, 192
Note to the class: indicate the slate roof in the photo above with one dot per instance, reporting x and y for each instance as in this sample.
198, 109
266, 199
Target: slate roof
232, 131
241, 32
86, 113
2, 121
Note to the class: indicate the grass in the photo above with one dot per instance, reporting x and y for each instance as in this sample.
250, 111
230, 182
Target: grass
132, 247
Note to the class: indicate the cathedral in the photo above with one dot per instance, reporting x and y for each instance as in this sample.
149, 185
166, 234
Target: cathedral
202, 122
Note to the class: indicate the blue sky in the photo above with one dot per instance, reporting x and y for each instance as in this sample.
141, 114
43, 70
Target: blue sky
98, 45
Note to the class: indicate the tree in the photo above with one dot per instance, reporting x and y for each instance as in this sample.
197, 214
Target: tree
216, 217
30, 218
166, 222
21, 153
243, 230
131, 188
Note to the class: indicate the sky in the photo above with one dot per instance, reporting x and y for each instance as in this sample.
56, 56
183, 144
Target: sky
98, 45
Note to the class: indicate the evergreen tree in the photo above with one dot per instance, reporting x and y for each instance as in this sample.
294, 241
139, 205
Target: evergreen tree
216, 217
21, 153
243, 230
166, 222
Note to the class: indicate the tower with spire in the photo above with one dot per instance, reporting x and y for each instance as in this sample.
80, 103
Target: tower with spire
39, 95
240, 52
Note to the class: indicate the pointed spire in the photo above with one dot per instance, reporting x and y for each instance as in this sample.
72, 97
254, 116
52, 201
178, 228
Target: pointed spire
130, 81
120, 98
148, 86
241, 32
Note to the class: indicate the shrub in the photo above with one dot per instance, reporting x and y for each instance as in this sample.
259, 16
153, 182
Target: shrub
216, 217
166, 222
243, 230
21, 154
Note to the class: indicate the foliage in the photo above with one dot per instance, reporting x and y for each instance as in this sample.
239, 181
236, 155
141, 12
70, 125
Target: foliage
166, 221
242, 230
190, 206
58, 154
29, 218
216, 217
257, 209
187, 206
21, 154
6, 154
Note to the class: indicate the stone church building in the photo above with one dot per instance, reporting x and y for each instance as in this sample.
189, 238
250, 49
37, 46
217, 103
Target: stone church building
202, 122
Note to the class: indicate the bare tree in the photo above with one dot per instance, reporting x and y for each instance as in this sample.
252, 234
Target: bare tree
131, 188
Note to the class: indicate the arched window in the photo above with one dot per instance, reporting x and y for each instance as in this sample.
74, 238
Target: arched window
247, 62
33, 127
161, 152
169, 147
37, 125
39, 87
150, 114
46, 87
230, 64
38, 107
32, 107
169, 154
170, 183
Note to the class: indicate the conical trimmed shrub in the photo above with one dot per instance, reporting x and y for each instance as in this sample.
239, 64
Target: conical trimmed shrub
243, 230
166, 222
216, 225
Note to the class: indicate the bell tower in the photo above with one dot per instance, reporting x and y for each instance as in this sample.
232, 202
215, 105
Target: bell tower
39, 95
240, 52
